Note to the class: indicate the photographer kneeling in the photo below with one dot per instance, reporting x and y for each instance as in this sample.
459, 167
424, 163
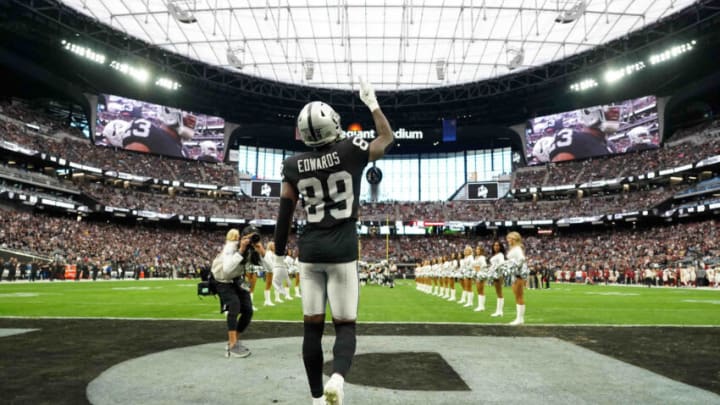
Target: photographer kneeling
241, 255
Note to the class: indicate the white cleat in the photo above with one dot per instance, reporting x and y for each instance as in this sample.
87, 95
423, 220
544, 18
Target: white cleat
269, 304
517, 322
481, 309
334, 390
497, 314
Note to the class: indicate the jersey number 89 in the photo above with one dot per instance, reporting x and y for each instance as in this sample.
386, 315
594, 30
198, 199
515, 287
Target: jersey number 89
313, 191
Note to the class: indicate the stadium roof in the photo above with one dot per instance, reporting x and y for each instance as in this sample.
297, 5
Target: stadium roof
398, 45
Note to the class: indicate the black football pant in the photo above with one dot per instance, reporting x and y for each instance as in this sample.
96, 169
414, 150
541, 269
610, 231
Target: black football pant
238, 303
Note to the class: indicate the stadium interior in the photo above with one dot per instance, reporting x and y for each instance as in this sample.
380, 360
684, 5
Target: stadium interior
469, 164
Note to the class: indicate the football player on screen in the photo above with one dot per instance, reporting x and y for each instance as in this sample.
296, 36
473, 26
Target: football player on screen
640, 139
208, 152
591, 139
166, 138
115, 132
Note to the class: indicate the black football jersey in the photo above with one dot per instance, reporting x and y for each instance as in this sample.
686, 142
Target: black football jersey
579, 144
158, 140
329, 181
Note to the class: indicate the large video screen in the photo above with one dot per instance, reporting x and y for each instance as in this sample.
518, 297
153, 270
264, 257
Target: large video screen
145, 127
626, 126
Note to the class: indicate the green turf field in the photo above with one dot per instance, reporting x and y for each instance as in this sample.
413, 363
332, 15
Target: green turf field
562, 304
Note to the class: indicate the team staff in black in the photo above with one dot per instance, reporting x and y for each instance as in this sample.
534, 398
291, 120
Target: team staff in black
328, 178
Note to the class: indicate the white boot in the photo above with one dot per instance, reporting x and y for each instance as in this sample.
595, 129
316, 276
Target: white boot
499, 310
463, 297
470, 298
251, 302
481, 303
446, 293
268, 302
453, 294
297, 292
520, 318
278, 300
434, 290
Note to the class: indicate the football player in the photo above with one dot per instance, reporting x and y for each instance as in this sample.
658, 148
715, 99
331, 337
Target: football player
328, 177
591, 139
208, 152
640, 139
166, 138
541, 149
115, 132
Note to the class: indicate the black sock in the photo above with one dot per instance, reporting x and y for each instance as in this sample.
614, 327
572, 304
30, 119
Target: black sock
313, 356
344, 348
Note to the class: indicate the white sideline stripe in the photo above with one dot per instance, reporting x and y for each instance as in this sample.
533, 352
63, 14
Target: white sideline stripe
5, 332
569, 325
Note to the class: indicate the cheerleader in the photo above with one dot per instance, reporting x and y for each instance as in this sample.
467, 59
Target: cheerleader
480, 270
497, 259
443, 277
450, 269
292, 265
516, 266
466, 268
270, 257
435, 277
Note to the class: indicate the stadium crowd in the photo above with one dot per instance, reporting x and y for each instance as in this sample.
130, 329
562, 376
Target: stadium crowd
183, 251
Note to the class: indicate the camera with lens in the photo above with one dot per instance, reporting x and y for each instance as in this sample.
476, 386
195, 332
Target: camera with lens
252, 256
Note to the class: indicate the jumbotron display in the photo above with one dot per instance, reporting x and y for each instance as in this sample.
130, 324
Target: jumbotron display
145, 127
626, 126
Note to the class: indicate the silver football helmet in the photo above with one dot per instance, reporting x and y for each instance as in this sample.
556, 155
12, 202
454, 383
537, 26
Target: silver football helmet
541, 149
184, 123
208, 148
639, 134
115, 132
606, 119
318, 124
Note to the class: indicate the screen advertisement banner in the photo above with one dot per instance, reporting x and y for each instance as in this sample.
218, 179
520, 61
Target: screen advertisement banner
622, 127
140, 126
266, 189
483, 191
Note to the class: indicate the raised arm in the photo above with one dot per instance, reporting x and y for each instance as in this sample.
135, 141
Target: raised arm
384, 141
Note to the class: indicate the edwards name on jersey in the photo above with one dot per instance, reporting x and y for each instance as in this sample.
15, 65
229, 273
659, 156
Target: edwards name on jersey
329, 181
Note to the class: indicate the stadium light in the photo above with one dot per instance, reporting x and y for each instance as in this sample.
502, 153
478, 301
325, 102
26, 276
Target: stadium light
167, 83
613, 75
84, 52
583, 85
517, 56
309, 67
136, 73
440, 69
180, 11
672, 53
234, 58
572, 14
